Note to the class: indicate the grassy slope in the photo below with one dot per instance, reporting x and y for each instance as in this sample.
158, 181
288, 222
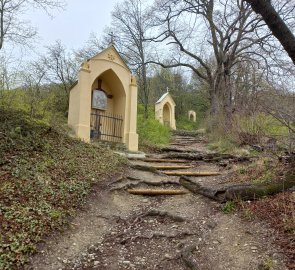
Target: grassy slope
44, 176
151, 132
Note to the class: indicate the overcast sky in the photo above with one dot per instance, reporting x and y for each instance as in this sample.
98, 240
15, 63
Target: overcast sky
73, 25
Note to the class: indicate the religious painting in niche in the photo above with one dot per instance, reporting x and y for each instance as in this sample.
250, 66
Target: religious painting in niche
99, 100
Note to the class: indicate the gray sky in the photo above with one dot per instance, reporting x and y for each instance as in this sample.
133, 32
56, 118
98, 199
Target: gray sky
73, 25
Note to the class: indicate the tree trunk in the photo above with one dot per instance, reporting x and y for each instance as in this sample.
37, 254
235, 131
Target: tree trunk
227, 102
144, 85
215, 113
157, 192
276, 24
221, 102
214, 100
239, 191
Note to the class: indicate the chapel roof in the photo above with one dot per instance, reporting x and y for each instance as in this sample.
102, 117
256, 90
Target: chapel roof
111, 47
163, 97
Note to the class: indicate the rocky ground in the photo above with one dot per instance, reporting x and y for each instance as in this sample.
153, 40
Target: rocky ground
118, 230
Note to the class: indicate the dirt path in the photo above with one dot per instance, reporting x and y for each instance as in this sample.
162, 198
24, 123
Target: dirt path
122, 231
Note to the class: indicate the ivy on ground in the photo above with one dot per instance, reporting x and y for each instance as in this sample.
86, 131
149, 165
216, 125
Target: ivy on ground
44, 177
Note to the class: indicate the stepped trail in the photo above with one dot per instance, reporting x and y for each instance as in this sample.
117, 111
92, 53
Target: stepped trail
118, 230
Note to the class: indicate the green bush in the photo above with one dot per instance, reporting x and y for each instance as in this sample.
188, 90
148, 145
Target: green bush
150, 131
251, 129
44, 104
246, 130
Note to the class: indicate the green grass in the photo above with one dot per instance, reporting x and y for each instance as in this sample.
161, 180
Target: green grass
44, 177
184, 123
222, 146
262, 124
49, 102
229, 207
258, 129
150, 131
267, 264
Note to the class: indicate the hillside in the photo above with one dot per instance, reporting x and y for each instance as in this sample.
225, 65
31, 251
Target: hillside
45, 176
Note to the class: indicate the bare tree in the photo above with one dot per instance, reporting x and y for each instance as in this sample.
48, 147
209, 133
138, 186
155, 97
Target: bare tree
61, 67
9, 73
5, 81
276, 24
12, 27
211, 38
279, 103
131, 23
91, 48
33, 79
247, 83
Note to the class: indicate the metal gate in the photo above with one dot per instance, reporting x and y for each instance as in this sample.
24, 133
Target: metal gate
106, 126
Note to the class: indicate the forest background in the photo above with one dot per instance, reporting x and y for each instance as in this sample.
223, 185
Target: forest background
218, 58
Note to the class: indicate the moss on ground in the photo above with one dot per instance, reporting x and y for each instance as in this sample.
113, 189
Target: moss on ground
44, 177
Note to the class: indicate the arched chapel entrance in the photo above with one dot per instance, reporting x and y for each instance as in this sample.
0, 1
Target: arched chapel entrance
103, 102
192, 116
167, 115
107, 108
165, 111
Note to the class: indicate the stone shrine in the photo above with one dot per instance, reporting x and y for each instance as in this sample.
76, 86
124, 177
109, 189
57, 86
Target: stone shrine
103, 102
192, 116
165, 110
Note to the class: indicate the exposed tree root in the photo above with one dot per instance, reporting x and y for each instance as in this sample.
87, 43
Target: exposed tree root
172, 167
239, 191
192, 173
120, 180
183, 143
189, 156
154, 169
180, 143
138, 182
133, 178
154, 213
157, 235
174, 258
197, 188
156, 192
158, 184
163, 160
144, 168
176, 149
208, 157
186, 256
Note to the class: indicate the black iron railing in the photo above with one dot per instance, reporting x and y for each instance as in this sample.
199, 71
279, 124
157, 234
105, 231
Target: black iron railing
106, 126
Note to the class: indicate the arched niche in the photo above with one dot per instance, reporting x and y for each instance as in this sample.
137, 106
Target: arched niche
109, 82
192, 116
107, 122
106, 73
167, 114
165, 111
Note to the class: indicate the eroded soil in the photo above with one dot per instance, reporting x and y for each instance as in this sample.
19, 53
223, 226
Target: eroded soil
119, 231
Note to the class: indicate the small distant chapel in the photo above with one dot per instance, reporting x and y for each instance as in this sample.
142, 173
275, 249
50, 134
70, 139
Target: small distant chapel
103, 102
165, 110
192, 116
